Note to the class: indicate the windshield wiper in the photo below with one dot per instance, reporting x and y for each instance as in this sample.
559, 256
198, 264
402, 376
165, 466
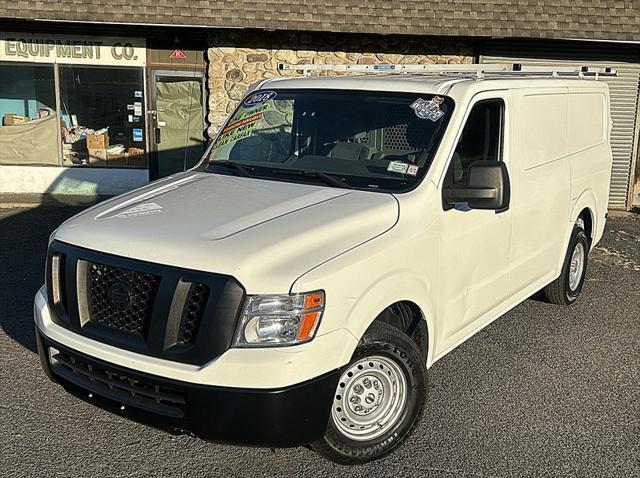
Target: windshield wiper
232, 164
326, 178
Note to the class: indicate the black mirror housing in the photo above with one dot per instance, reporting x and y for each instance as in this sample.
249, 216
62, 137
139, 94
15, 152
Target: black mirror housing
488, 187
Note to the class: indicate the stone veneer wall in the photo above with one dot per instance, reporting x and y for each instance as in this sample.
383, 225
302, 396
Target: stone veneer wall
239, 59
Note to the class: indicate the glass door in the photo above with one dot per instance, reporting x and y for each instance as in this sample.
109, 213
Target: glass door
178, 117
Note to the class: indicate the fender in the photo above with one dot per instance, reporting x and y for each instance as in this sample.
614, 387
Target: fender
395, 286
587, 200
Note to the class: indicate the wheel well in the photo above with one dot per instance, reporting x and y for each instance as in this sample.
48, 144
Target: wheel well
407, 316
587, 218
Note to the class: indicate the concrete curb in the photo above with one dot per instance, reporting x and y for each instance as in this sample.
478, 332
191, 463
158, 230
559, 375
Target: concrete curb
31, 200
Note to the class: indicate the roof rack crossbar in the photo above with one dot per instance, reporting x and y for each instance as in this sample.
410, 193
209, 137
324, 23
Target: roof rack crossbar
477, 71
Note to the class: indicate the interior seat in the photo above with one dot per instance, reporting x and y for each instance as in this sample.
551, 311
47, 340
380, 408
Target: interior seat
350, 151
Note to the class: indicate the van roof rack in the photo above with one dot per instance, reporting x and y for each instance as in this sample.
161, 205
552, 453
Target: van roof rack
478, 71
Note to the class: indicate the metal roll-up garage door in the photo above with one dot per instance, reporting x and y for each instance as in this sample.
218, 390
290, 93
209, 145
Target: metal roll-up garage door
624, 91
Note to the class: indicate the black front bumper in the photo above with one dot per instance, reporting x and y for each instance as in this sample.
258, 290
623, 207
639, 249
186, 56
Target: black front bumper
274, 418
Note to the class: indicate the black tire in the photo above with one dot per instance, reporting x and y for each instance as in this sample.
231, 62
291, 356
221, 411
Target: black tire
386, 341
559, 291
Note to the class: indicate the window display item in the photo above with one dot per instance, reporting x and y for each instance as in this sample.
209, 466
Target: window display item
10, 119
33, 142
98, 140
97, 156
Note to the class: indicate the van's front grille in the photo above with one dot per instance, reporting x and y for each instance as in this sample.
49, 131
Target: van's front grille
192, 313
121, 299
153, 309
115, 385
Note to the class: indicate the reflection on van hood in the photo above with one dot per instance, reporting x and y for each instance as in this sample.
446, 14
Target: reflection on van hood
264, 233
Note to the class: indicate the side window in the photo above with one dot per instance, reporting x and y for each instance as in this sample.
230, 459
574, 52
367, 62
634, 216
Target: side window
481, 140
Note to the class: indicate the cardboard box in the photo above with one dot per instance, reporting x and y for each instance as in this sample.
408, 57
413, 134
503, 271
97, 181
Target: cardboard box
117, 160
97, 154
98, 141
10, 119
137, 158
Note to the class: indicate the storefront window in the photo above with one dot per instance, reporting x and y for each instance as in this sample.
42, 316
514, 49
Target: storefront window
29, 131
102, 116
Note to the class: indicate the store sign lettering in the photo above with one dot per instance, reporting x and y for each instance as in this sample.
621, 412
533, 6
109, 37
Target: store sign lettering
76, 50
46, 48
126, 51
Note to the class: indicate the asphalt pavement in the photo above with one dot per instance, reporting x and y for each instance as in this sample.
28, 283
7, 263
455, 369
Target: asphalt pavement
544, 391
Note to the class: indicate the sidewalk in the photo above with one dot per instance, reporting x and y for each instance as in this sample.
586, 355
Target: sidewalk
10, 200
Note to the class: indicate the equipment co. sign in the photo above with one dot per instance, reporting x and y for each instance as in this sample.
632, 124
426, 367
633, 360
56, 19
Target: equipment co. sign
72, 49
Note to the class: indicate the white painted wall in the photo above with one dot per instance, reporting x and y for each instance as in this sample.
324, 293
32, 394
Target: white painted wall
66, 181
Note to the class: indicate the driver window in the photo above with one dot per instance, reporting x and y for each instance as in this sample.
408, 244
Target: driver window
481, 140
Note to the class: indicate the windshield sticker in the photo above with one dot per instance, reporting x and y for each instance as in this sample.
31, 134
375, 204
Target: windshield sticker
259, 97
234, 135
397, 167
412, 170
255, 109
241, 128
243, 122
428, 109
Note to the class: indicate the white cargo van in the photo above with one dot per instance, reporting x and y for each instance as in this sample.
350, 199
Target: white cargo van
340, 236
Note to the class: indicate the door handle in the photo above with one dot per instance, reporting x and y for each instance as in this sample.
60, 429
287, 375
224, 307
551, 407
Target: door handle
157, 135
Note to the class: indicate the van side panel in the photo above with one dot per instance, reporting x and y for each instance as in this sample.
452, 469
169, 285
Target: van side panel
540, 186
589, 152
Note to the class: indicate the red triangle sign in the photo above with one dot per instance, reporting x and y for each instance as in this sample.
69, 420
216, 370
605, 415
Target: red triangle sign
178, 54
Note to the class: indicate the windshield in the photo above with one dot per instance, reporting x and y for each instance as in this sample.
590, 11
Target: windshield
354, 139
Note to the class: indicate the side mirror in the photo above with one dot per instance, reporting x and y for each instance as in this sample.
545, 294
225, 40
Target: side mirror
487, 187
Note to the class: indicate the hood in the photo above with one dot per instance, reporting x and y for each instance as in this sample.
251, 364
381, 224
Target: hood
264, 233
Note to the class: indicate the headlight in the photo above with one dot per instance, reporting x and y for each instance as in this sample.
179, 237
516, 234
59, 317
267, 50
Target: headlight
275, 320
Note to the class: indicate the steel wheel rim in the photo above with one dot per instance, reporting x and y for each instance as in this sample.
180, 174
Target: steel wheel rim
576, 266
370, 399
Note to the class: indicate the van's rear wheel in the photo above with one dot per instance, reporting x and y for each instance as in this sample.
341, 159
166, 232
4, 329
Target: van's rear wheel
566, 288
378, 400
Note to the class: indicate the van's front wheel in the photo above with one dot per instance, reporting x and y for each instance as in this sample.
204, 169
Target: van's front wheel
378, 400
